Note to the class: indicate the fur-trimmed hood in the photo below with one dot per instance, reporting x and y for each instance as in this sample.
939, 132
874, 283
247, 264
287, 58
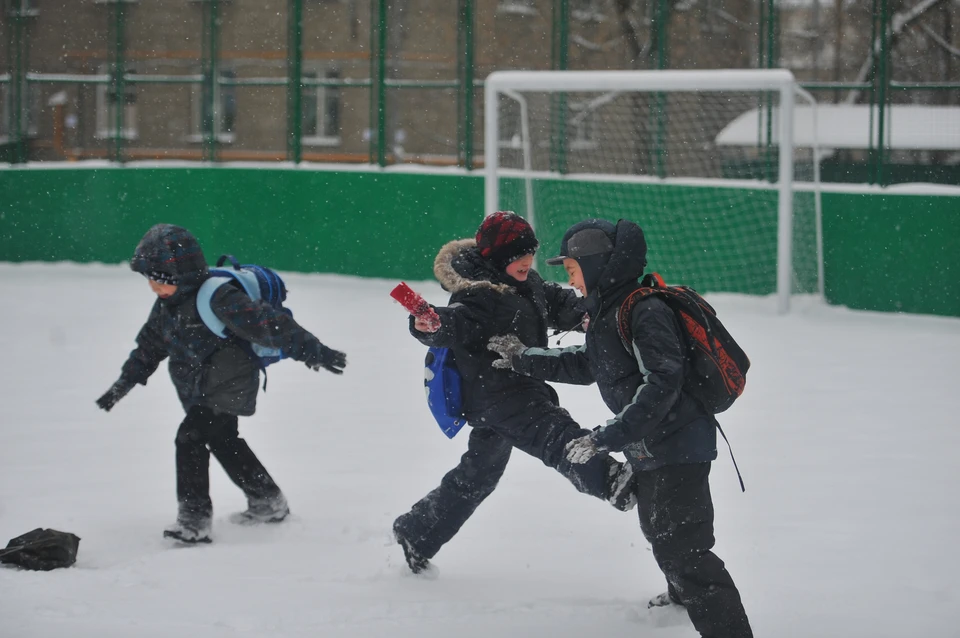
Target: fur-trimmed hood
459, 266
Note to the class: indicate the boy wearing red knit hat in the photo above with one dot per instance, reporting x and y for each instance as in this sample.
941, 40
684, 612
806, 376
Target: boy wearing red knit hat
494, 290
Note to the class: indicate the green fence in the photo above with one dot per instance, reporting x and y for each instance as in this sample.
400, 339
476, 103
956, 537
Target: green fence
883, 251
378, 82
366, 223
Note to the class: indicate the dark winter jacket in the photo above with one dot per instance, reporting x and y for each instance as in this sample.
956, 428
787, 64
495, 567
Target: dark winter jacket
487, 302
657, 423
206, 370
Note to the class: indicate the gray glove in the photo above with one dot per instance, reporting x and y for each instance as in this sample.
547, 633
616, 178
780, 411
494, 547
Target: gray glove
581, 450
507, 346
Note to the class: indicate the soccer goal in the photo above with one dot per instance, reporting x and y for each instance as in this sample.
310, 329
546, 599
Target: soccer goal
704, 161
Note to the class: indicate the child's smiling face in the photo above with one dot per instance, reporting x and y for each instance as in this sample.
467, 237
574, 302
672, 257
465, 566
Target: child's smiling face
163, 291
519, 269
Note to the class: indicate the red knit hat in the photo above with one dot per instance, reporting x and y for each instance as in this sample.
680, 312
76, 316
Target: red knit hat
505, 236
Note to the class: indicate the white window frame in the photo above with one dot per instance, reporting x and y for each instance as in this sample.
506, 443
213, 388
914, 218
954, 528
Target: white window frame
328, 133
588, 11
197, 135
517, 7
106, 117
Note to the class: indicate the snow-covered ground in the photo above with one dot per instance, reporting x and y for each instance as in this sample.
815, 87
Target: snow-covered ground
847, 438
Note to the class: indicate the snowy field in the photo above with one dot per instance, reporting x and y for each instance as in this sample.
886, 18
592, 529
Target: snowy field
847, 438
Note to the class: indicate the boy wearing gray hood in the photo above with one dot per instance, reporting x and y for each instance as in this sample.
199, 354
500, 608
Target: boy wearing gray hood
662, 430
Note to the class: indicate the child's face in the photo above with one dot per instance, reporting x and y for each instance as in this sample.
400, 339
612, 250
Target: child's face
575, 275
519, 269
162, 290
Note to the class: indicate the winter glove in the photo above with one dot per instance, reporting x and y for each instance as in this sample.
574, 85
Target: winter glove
327, 358
579, 451
507, 346
116, 392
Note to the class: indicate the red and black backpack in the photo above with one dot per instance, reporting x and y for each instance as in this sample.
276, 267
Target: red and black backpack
717, 366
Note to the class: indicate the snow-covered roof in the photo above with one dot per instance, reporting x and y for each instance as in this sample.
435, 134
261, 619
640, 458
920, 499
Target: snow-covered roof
848, 126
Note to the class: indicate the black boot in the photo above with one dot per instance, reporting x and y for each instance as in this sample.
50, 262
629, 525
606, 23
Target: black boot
417, 563
665, 599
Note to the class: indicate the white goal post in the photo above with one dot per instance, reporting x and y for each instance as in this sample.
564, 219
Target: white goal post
513, 84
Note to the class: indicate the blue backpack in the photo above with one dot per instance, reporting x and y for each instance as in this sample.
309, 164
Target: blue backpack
260, 283
441, 380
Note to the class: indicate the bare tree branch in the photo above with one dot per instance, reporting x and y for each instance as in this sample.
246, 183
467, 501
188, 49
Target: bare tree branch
635, 49
952, 50
729, 19
900, 21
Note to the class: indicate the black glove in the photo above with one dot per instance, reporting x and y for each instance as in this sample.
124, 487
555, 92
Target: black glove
327, 358
116, 392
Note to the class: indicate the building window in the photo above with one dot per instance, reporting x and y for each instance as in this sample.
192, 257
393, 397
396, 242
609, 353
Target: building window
320, 108
217, 117
22, 8
587, 11
29, 110
107, 104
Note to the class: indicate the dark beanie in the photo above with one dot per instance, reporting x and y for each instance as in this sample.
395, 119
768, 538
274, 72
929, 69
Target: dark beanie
505, 236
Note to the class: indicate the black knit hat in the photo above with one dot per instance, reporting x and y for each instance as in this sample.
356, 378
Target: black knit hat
505, 236
170, 254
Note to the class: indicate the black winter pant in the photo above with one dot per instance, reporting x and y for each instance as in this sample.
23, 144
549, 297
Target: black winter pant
203, 432
540, 429
676, 516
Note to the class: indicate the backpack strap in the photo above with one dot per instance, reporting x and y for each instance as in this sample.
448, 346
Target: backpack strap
246, 279
204, 297
650, 284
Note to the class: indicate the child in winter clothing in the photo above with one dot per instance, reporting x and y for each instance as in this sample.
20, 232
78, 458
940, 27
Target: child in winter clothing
663, 431
216, 379
494, 290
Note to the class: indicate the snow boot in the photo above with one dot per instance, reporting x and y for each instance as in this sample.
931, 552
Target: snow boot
621, 493
664, 600
262, 510
189, 531
417, 562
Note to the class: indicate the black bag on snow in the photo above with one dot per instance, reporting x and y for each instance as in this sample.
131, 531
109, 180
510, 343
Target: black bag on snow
717, 365
41, 549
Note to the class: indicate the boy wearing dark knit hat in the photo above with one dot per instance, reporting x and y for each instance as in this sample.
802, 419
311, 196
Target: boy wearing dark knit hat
215, 378
494, 290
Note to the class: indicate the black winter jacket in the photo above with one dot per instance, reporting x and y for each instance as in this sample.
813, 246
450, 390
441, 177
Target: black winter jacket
487, 302
207, 370
656, 422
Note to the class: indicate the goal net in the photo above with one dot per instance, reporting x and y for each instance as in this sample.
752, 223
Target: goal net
703, 161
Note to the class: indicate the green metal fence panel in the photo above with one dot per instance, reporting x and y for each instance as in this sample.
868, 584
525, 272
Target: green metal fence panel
883, 251
366, 223
893, 253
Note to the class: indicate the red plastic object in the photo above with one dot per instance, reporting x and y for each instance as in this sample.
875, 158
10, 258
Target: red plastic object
416, 305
